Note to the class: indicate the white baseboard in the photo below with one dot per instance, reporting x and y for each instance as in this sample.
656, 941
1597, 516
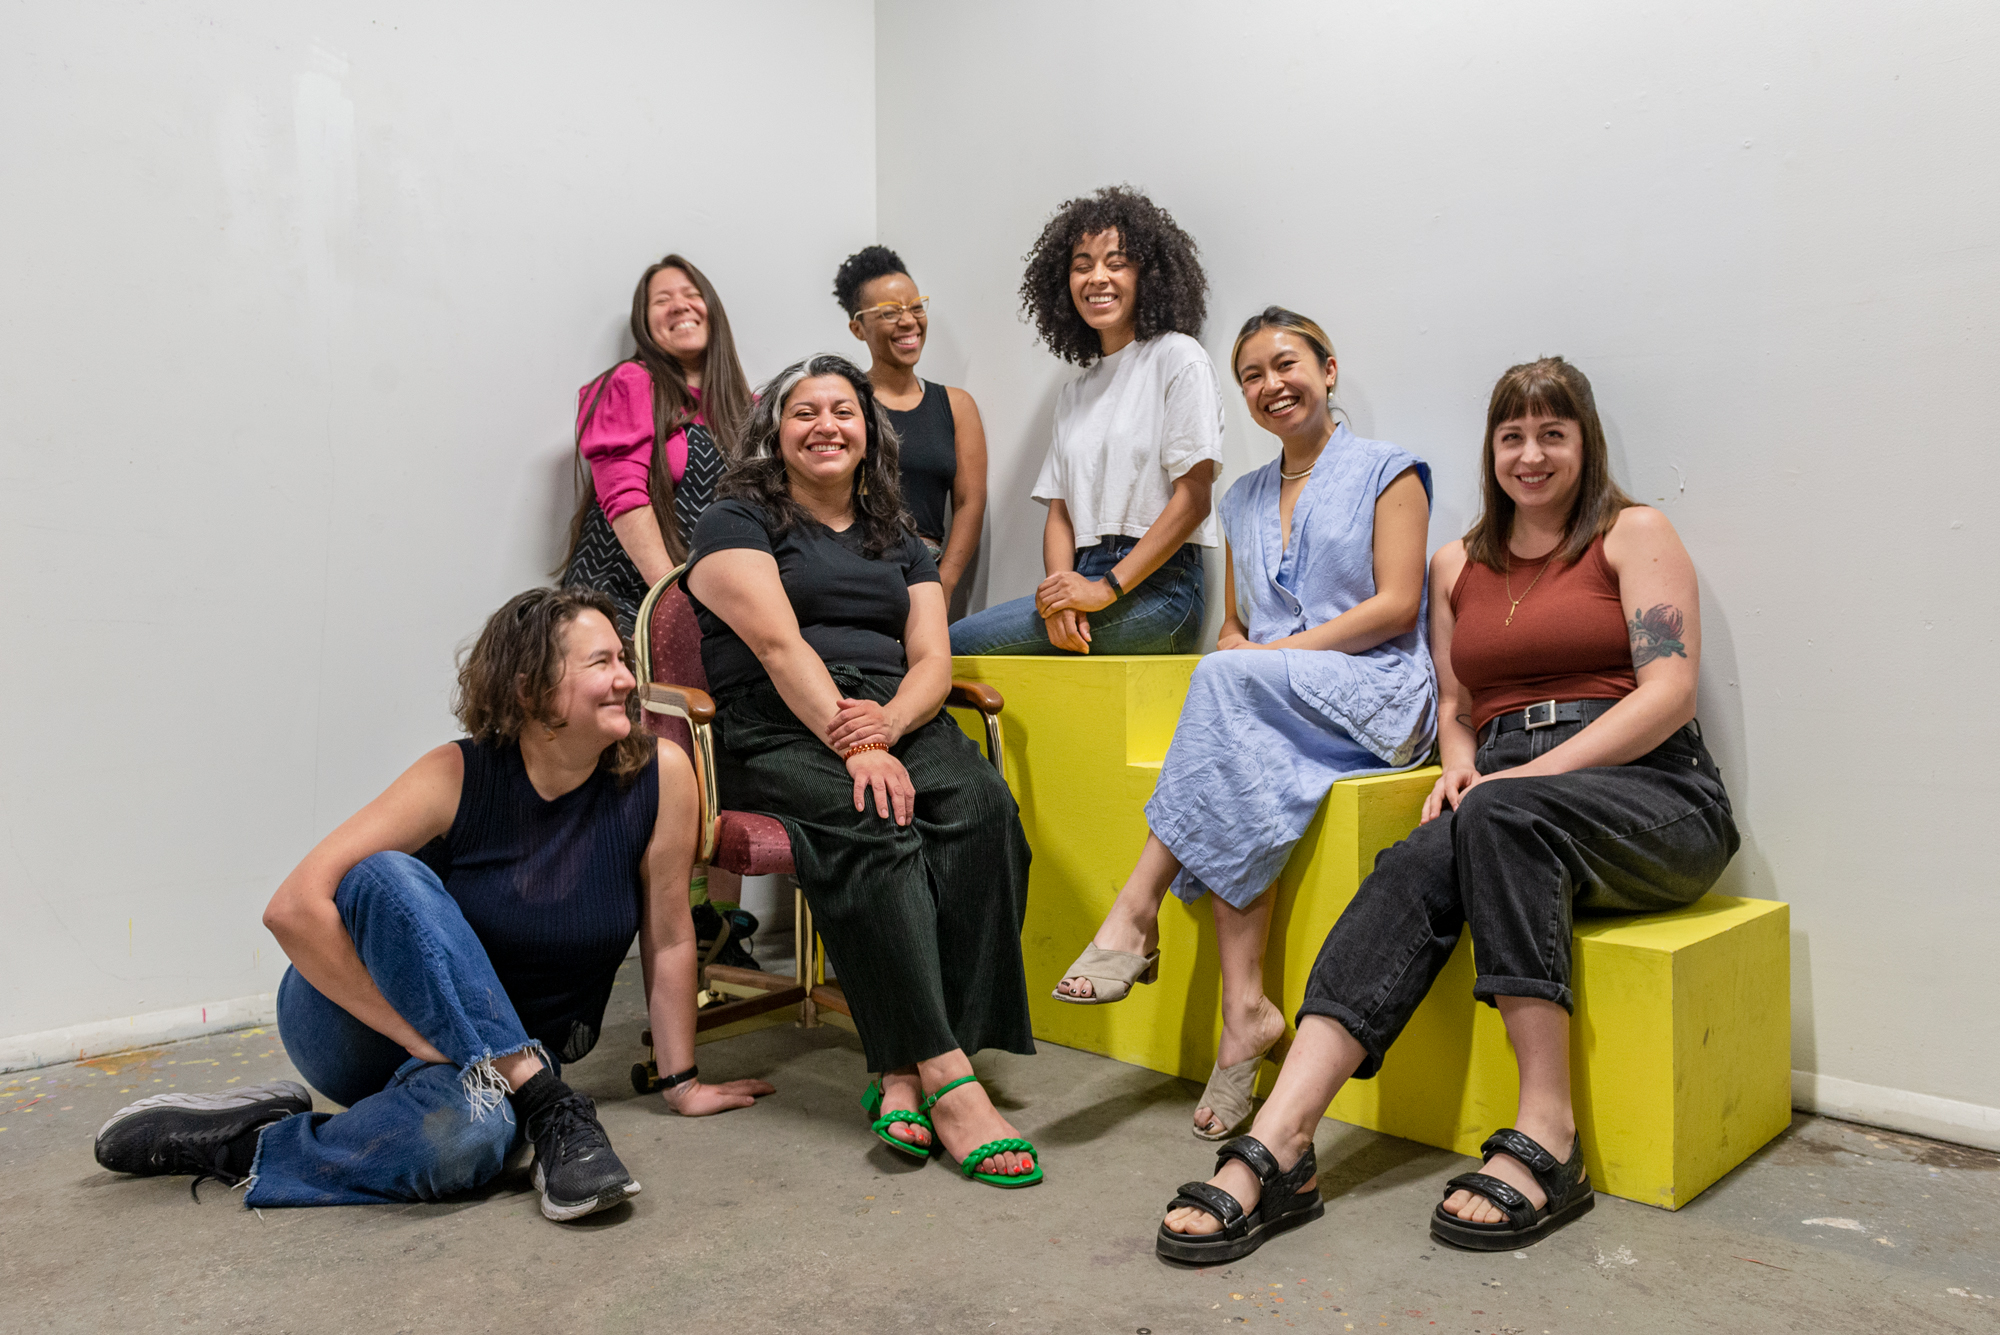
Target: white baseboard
79, 1041
1897, 1109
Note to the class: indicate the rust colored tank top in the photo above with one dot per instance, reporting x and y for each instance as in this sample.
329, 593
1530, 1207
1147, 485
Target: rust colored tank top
1568, 640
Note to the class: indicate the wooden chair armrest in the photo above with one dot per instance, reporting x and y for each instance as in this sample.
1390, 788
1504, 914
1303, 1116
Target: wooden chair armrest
975, 695
680, 701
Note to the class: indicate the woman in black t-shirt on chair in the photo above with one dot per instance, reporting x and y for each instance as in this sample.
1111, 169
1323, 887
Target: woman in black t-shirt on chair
824, 641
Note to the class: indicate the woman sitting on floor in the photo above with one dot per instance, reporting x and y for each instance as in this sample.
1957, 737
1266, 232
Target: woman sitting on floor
1567, 640
1115, 286
823, 635
456, 940
1325, 548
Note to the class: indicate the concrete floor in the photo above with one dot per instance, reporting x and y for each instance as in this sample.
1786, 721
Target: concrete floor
789, 1217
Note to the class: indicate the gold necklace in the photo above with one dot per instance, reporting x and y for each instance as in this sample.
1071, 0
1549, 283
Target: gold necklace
1303, 472
1506, 577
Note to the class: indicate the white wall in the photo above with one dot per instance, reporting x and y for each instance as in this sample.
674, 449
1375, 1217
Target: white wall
298, 298
1768, 233
297, 303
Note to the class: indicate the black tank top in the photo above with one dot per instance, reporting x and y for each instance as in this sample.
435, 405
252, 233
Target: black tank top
929, 458
551, 889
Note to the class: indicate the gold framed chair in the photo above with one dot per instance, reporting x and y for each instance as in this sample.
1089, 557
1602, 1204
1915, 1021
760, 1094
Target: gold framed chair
666, 642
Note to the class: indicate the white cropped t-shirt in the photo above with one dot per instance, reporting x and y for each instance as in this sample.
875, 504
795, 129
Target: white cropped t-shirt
1126, 430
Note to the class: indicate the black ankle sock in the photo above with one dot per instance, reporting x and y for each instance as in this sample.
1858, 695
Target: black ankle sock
536, 1093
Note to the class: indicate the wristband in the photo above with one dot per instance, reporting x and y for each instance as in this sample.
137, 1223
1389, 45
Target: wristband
856, 750
1117, 589
680, 1078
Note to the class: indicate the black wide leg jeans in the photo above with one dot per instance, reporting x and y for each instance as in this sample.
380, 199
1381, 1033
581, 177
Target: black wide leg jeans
1514, 861
921, 921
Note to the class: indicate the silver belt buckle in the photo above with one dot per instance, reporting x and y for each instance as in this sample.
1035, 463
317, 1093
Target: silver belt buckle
1528, 722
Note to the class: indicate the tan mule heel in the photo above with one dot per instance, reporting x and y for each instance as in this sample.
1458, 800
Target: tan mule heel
1112, 974
1227, 1093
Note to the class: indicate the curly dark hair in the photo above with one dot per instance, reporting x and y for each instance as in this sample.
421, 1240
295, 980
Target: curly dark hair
1173, 291
758, 475
861, 268
520, 652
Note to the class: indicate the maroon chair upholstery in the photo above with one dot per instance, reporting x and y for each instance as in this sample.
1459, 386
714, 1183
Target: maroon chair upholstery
747, 844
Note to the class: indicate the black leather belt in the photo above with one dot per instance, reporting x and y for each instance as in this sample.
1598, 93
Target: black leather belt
1546, 714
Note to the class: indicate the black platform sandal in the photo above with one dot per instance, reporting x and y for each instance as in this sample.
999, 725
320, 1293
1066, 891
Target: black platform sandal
1282, 1206
1565, 1184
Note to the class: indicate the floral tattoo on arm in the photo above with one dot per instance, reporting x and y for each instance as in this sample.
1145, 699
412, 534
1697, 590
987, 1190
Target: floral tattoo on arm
1656, 633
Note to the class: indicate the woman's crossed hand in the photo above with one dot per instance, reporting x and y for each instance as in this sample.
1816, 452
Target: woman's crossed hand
856, 722
884, 775
1451, 787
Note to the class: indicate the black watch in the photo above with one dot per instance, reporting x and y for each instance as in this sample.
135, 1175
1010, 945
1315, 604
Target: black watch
680, 1078
1117, 589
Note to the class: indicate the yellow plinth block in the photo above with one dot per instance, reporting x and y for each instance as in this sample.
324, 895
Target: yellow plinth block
1681, 1041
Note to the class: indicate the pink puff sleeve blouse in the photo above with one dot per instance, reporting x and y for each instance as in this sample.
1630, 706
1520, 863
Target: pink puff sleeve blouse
618, 441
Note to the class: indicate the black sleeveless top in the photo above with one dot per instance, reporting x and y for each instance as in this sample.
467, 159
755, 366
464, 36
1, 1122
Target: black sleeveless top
929, 458
551, 889
600, 561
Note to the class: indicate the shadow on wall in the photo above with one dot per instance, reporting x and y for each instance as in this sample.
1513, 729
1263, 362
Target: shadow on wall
1719, 708
558, 468
1019, 563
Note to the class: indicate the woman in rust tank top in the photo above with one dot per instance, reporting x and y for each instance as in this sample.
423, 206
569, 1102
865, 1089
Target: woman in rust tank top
1566, 636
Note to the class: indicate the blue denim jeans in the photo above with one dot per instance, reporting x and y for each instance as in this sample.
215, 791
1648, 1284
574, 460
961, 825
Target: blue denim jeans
413, 1130
1160, 616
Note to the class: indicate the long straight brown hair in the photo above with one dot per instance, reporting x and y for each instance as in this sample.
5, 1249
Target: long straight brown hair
724, 405
1549, 387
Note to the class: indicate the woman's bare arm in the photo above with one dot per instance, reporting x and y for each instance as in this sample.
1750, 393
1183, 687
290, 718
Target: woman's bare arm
415, 809
1458, 745
1067, 628
667, 943
1402, 525
1233, 635
639, 534
741, 585
968, 491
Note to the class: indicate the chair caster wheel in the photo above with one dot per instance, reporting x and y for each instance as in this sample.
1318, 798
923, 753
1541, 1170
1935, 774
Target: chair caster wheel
643, 1078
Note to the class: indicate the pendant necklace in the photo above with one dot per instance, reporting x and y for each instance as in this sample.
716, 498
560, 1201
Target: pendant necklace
1507, 579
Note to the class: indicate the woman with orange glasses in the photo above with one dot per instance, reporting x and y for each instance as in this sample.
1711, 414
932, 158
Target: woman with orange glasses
943, 442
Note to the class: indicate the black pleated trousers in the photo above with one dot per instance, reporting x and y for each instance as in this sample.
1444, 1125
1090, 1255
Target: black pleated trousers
922, 922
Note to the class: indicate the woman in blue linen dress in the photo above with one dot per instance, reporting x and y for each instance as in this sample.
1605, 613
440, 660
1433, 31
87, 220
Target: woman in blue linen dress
1326, 568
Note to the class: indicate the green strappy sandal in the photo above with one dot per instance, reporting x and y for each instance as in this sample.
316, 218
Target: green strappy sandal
871, 1103
1005, 1145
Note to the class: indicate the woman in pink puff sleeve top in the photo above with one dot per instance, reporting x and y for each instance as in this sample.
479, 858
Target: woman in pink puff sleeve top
653, 433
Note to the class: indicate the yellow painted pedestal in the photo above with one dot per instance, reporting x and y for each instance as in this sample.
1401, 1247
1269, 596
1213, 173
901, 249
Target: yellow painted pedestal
1681, 1042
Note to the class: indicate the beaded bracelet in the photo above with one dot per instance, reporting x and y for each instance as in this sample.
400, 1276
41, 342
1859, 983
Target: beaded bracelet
854, 751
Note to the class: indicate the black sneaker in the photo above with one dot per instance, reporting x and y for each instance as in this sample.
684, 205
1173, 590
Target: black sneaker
575, 1169
209, 1135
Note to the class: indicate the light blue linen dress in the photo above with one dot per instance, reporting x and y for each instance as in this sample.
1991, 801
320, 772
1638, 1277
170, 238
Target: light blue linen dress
1265, 733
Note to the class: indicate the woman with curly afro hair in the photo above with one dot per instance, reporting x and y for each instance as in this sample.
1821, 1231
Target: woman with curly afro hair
1114, 285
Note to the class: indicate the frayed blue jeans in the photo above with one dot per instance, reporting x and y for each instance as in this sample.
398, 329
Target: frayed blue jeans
1162, 615
413, 1130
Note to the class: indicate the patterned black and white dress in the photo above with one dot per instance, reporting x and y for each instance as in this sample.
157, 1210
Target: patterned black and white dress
600, 561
